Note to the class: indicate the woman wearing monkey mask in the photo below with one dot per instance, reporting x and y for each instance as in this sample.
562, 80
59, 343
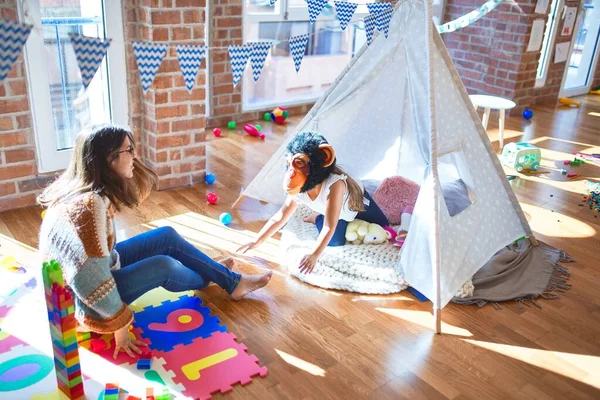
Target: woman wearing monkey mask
313, 178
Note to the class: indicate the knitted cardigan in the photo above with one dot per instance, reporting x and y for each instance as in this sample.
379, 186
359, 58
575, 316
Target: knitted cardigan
80, 236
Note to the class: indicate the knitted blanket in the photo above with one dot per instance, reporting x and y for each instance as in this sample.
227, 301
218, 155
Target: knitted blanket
370, 269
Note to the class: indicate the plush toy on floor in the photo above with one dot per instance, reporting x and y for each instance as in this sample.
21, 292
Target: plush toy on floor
362, 232
404, 224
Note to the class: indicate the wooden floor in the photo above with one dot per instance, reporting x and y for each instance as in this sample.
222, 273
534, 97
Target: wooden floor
322, 344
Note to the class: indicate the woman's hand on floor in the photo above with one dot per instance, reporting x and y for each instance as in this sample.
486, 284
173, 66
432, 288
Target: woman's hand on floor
248, 246
123, 341
308, 263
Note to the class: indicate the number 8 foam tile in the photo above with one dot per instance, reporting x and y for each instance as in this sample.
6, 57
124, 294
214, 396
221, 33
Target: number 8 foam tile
211, 365
177, 322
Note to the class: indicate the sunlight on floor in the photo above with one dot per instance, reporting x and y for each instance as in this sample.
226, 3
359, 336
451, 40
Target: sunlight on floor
381, 298
555, 224
594, 114
203, 231
580, 367
424, 319
301, 364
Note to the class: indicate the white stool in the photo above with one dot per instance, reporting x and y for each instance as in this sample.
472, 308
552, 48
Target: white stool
496, 103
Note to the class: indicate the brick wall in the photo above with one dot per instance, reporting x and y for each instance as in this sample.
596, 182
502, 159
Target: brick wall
491, 55
19, 182
226, 101
168, 120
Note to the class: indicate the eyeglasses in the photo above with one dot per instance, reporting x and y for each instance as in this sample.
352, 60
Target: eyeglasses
130, 150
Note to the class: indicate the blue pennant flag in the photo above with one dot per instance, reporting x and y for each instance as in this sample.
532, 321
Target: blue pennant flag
260, 51
376, 8
345, 11
90, 52
383, 20
238, 56
13, 36
370, 27
149, 56
314, 9
273, 2
190, 57
297, 48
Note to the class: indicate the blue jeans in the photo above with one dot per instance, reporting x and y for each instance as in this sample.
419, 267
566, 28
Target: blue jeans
372, 214
161, 257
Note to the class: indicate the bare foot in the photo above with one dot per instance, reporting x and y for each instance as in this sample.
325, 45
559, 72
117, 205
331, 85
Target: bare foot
312, 218
229, 262
250, 283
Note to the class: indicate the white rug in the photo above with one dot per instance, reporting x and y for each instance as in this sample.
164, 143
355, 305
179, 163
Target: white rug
370, 269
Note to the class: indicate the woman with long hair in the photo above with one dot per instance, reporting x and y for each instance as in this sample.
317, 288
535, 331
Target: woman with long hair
104, 276
314, 179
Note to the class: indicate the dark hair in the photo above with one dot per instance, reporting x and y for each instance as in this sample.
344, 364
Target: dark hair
90, 171
308, 143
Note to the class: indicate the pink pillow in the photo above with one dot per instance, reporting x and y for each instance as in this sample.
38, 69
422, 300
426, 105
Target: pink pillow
394, 195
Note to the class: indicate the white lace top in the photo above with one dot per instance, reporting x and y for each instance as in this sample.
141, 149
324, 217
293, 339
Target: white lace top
319, 205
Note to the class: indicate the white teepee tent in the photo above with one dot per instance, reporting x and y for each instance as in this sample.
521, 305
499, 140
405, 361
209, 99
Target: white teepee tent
400, 108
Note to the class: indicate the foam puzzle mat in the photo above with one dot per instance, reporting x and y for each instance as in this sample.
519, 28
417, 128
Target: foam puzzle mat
192, 354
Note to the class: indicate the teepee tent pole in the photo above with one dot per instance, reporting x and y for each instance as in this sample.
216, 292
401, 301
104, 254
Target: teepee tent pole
435, 231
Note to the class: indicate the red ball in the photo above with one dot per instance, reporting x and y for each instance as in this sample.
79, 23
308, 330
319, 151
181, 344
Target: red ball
212, 198
217, 132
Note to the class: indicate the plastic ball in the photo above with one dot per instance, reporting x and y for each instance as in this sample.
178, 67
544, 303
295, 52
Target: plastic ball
217, 132
279, 115
210, 179
231, 125
258, 127
527, 114
225, 218
267, 116
212, 198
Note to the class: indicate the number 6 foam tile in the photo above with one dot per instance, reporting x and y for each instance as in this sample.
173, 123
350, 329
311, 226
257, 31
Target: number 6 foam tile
176, 322
211, 365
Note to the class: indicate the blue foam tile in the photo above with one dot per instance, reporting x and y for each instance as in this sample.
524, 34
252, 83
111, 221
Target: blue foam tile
417, 294
165, 341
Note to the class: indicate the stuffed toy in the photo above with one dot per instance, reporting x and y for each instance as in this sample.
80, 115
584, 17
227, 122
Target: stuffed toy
376, 235
404, 224
356, 231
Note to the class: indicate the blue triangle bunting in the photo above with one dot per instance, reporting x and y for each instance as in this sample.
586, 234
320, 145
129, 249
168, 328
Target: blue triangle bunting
190, 57
90, 52
238, 56
149, 56
314, 9
260, 50
383, 20
13, 36
370, 22
273, 2
376, 8
345, 11
297, 48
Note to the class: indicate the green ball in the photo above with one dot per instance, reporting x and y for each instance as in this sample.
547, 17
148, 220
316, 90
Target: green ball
231, 125
285, 114
258, 127
267, 116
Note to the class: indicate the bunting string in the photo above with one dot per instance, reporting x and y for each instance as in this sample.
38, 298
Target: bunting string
90, 51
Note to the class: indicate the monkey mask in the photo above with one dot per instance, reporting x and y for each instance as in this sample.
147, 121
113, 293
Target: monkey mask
310, 160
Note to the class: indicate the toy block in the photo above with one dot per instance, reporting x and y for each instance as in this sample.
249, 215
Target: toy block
81, 336
51, 273
144, 363
133, 398
149, 393
111, 391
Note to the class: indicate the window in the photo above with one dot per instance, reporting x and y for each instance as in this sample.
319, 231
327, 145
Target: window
456, 182
548, 42
327, 53
60, 105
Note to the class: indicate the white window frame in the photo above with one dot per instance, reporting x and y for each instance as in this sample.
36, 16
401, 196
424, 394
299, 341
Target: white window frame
541, 82
287, 13
583, 89
50, 159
